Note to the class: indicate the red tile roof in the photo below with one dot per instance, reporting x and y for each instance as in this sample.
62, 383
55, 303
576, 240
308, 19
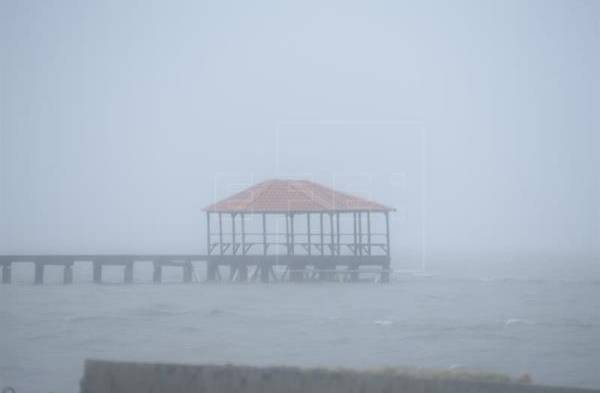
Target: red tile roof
280, 196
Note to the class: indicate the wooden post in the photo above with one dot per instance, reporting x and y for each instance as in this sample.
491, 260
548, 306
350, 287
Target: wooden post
39, 273
292, 245
97, 272
264, 224
6, 273
264, 271
208, 245
385, 274
360, 240
188, 269
387, 233
243, 273
331, 234
353, 267
128, 279
68, 274
322, 235
232, 271
233, 247
243, 218
157, 275
211, 271
287, 233
308, 236
337, 224
368, 233
221, 232
355, 245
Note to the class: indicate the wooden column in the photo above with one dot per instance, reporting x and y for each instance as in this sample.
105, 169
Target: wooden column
221, 233
242, 268
387, 233
97, 272
264, 225
242, 273
321, 233
68, 274
287, 233
157, 274
292, 240
233, 266
385, 274
128, 279
6, 273
211, 271
331, 234
360, 237
243, 218
369, 233
308, 235
233, 247
337, 224
264, 269
39, 273
354, 233
188, 270
208, 245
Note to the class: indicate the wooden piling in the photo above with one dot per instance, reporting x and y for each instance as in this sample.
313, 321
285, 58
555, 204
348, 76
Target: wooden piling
6, 273
68, 274
39, 273
211, 271
386, 269
242, 273
157, 272
97, 272
188, 270
264, 272
354, 276
128, 273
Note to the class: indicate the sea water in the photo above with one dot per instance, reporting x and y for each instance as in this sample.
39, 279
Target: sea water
549, 329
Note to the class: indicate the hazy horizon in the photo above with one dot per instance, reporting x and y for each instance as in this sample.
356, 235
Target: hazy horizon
477, 120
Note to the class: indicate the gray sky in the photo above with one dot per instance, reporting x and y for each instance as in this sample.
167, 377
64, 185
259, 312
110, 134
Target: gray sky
478, 120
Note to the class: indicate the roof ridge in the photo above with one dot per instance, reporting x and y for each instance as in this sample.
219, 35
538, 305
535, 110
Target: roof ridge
275, 195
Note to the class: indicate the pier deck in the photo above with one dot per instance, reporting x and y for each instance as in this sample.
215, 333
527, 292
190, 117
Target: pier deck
241, 267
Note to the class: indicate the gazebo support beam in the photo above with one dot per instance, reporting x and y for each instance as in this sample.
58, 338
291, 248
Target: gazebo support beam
369, 233
337, 224
321, 233
308, 235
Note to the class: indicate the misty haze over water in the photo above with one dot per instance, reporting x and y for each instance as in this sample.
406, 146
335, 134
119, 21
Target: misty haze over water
477, 120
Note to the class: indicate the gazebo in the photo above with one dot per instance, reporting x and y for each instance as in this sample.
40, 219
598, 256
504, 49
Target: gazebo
306, 229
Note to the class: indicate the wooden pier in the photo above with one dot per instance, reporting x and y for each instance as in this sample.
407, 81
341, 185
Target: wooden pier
217, 268
327, 236
98, 262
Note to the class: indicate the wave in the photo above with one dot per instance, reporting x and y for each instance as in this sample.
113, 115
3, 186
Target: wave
157, 311
518, 321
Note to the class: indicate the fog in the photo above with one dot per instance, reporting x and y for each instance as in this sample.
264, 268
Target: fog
477, 120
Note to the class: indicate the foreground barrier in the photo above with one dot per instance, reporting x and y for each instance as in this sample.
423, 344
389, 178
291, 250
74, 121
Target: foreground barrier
119, 377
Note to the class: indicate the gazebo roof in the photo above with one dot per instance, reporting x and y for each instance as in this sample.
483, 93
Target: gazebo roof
282, 196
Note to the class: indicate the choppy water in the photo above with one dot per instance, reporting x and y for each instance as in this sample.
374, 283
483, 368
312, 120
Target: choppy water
550, 329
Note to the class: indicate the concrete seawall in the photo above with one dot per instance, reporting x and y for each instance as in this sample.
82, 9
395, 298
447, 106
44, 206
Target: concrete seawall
119, 377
